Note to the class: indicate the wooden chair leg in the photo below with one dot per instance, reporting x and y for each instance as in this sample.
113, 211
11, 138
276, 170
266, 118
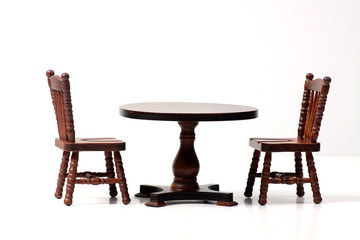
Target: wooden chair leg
252, 174
121, 175
71, 180
299, 174
313, 178
110, 172
62, 174
265, 179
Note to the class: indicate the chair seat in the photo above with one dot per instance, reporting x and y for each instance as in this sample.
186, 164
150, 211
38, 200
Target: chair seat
284, 145
91, 144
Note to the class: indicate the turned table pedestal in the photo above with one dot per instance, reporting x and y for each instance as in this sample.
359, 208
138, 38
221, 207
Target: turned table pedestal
186, 164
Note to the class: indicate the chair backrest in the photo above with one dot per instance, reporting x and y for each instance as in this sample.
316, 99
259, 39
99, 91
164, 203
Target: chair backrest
313, 106
61, 98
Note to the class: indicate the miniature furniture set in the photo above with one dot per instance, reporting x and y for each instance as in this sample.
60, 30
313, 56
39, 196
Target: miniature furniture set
186, 164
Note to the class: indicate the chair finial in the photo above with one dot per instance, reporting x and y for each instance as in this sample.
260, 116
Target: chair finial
65, 76
49, 73
327, 80
309, 76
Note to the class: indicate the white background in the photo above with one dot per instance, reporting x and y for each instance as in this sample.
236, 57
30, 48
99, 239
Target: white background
254, 53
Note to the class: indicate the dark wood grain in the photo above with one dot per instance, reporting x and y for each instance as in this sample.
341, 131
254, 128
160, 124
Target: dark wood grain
186, 165
187, 111
265, 179
160, 194
284, 145
252, 173
91, 144
311, 114
61, 99
299, 174
110, 172
62, 174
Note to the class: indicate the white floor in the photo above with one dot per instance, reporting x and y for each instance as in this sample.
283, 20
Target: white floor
31, 211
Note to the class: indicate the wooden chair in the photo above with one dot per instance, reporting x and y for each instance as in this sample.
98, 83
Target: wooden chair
312, 108
61, 98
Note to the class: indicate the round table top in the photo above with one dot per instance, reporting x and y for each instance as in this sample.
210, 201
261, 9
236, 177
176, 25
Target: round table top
187, 111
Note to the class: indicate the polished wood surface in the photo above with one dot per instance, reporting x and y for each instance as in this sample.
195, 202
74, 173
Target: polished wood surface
311, 114
187, 111
284, 144
186, 165
91, 144
160, 194
71, 146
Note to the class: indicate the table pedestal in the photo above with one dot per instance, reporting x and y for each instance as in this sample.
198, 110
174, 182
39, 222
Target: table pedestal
185, 168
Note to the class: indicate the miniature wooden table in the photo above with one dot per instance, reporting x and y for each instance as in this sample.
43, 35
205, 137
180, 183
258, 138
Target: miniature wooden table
186, 164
